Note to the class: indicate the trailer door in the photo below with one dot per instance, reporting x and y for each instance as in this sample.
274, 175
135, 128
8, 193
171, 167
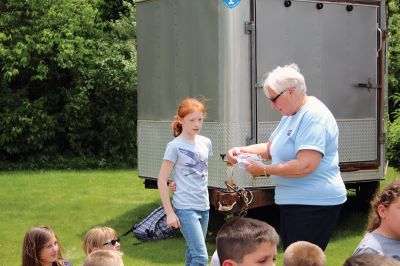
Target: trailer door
336, 47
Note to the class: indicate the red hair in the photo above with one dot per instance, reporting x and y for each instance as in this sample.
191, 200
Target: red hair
187, 106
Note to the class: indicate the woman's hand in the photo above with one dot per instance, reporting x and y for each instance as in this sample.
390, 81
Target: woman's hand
231, 155
305, 163
173, 220
261, 149
255, 168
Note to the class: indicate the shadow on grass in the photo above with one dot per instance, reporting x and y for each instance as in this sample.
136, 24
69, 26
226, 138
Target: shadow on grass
352, 221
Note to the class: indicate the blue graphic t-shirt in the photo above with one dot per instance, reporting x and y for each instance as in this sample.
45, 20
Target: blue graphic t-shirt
190, 172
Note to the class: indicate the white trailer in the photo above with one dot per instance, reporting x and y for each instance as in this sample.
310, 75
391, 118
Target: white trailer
220, 49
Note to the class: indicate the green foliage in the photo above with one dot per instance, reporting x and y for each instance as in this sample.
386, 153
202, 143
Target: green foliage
26, 128
393, 49
393, 139
114, 9
67, 83
393, 143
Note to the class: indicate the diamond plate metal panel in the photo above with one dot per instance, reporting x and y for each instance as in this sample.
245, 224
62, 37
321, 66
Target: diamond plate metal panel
153, 137
356, 143
362, 175
223, 137
357, 140
377, 174
265, 130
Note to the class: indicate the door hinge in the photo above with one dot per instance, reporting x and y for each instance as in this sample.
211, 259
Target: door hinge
249, 27
258, 85
382, 138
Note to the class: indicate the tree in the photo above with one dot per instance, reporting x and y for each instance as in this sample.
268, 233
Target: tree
393, 50
393, 143
67, 83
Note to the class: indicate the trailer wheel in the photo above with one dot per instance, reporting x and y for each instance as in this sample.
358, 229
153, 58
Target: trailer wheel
365, 193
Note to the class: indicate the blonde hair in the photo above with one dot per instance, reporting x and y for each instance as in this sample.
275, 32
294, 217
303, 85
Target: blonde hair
96, 237
104, 258
303, 253
185, 107
388, 195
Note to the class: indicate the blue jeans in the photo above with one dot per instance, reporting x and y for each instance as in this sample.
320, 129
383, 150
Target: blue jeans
194, 226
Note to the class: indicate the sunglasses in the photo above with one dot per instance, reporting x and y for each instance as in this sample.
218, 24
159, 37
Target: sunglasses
111, 242
276, 97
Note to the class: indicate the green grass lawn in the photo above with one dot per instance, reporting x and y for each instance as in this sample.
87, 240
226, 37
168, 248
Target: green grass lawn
72, 202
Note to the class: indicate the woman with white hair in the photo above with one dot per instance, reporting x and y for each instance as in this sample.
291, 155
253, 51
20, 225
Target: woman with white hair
303, 150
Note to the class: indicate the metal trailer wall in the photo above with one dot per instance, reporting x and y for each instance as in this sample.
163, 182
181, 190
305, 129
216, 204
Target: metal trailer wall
189, 48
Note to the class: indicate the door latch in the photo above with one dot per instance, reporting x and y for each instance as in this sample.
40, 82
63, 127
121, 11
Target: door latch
369, 85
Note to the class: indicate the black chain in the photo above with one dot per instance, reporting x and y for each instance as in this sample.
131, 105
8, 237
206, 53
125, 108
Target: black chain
243, 197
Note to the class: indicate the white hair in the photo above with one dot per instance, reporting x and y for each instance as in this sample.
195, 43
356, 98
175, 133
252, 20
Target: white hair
284, 77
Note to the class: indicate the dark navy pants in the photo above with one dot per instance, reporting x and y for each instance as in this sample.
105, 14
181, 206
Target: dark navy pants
310, 223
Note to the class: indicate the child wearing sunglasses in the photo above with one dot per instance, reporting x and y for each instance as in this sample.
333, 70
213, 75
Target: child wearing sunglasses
101, 238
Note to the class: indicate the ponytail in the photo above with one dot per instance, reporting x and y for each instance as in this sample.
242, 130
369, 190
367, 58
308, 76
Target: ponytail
176, 126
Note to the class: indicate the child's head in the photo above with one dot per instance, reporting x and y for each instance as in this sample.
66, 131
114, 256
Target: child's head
246, 241
100, 238
41, 247
303, 253
104, 258
370, 259
385, 210
187, 107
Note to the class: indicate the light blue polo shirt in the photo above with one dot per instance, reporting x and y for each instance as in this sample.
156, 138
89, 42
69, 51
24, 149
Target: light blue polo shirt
312, 128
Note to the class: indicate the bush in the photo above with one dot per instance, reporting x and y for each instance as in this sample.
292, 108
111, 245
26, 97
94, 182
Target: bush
25, 128
393, 143
67, 84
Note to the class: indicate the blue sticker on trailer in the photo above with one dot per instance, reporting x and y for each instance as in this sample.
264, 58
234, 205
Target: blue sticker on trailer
231, 3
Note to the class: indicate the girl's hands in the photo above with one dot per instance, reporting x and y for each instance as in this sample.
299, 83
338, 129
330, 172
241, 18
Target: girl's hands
173, 220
